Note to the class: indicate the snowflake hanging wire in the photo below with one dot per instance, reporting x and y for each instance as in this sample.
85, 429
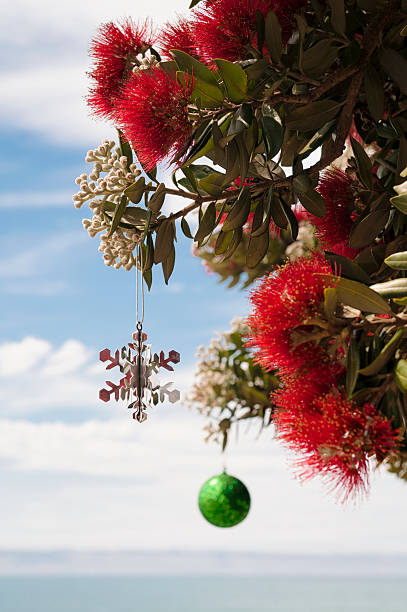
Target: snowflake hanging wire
139, 385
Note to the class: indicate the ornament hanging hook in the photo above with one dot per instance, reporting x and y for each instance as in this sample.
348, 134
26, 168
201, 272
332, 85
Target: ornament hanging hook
139, 284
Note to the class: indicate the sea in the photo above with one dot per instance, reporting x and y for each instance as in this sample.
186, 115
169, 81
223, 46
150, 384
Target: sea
203, 594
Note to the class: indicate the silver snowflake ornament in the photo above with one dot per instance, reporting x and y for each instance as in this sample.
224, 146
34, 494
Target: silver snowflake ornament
139, 367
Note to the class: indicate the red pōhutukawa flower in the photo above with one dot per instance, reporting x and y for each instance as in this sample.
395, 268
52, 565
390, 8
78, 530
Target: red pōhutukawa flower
336, 438
178, 35
153, 113
334, 228
224, 28
114, 50
286, 303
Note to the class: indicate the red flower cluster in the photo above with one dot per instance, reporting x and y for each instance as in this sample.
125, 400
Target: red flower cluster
333, 230
177, 36
224, 28
114, 50
335, 436
153, 114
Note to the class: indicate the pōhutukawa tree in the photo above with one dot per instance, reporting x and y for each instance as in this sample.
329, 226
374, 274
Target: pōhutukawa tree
284, 124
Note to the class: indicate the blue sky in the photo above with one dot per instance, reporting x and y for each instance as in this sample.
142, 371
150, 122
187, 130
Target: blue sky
78, 473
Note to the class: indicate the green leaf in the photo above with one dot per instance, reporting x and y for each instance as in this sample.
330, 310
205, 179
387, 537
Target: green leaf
347, 268
148, 278
213, 184
396, 67
397, 261
312, 116
234, 243
207, 223
185, 228
223, 241
135, 191
363, 163
392, 288
313, 202
157, 199
209, 96
330, 303
164, 241
273, 133
363, 232
384, 356
257, 249
193, 3
234, 79
239, 212
338, 19
149, 257
317, 59
400, 202
283, 213
352, 367
205, 142
125, 148
400, 375
168, 264
193, 67
374, 88
273, 37
361, 297
118, 213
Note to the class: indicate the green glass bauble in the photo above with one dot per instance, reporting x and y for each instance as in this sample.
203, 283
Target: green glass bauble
224, 500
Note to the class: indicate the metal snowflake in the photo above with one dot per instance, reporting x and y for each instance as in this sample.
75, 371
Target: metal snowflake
139, 367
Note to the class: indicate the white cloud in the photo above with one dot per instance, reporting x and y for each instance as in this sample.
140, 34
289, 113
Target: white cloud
120, 485
71, 356
36, 260
18, 358
47, 96
56, 378
20, 199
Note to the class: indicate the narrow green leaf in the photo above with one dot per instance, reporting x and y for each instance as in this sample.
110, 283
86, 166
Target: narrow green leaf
338, 19
118, 213
330, 303
209, 96
361, 297
374, 88
384, 356
273, 133
239, 212
400, 375
234, 243
392, 288
125, 148
148, 278
168, 264
163, 241
313, 202
149, 256
207, 224
185, 228
365, 231
347, 268
234, 79
364, 165
400, 202
157, 199
312, 116
352, 367
257, 249
223, 241
397, 261
273, 37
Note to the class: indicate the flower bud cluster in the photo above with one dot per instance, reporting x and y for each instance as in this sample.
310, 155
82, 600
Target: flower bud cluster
104, 186
146, 63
